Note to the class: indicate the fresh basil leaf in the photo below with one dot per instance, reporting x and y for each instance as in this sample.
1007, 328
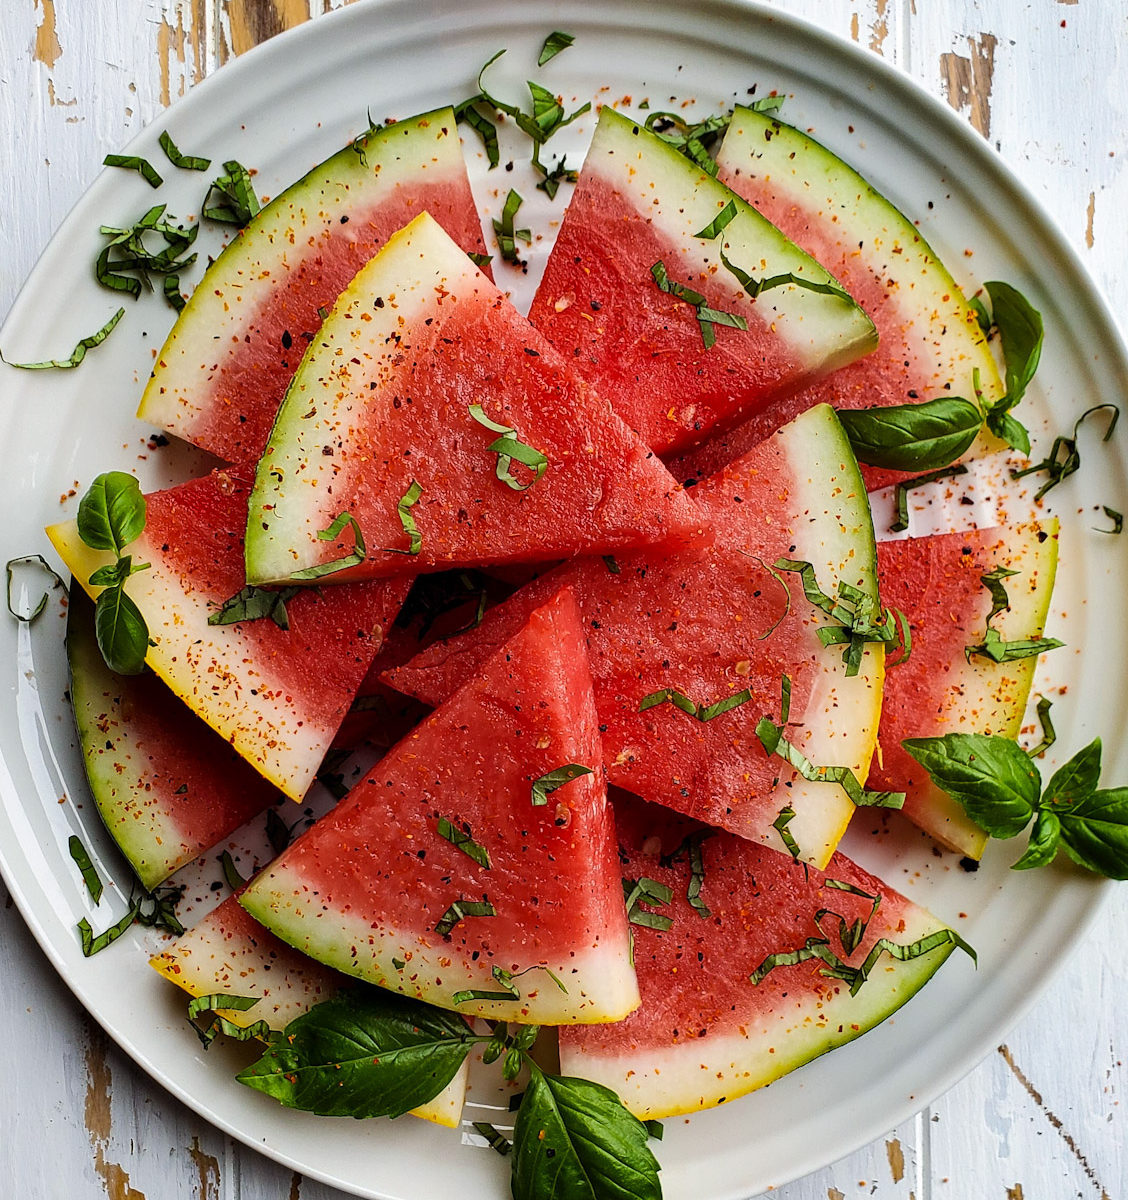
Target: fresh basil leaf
132, 162
186, 162
252, 603
991, 777
235, 881
1020, 332
77, 354
365, 1053
553, 44
112, 513
116, 573
1043, 845
1075, 780
1094, 832
982, 316
573, 1138
912, 437
1008, 429
24, 560
123, 636
548, 783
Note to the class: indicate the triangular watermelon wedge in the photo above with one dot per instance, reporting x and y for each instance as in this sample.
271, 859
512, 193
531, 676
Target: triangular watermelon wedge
278, 695
224, 369
230, 953
393, 418
936, 581
440, 876
714, 624
166, 785
705, 1033
930, 341
640, 203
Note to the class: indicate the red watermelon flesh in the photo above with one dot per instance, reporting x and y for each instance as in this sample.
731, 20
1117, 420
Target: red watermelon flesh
711, 623
930, 341
381, 410
704, 1033
277, 695
936, 582
367, 888
166, 785
225, 367
639, 202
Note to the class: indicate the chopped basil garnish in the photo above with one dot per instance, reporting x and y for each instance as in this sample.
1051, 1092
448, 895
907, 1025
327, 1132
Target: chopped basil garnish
231, 196
647, 891
133, 162
912, 437
559, 173
1115, 517
719, 223
207, 1006
553, 44
278, 833
784, 818
994, 646
506, 235
756, 287
252, 603
707, 318
404, 506
157, 909
547, 116
546, 784
1049, 734
77, 354
230, 872
94, 943
690, 847
692, 140
90, 875
497, 1141
700, 712
508, 448
503, 977
482, 126
907, 485
41, 603
126, 261
480, 260
462, 840
186, 162
460, 909
353, 559
1064, 459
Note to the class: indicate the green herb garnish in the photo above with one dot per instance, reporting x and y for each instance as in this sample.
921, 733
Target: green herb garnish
690, 847
1020, 332
480, 260
133, 162
353, 559
41, 603
784, 818
693, 140
510, 448
766, 283
93, 943
506, 235
994, 646
1049, 734
77, 354
1115, 517
553, 44
548, 783
907, 485
497, 1141
126, 261
462, 840
503, 977
719, 223
700, 712
707, 318
252, 603
647, 891
208, 1006
230, 872
559, 173
1064, 459
231, 197
912, 437
90, 876
459, 910
611, 563
482, 126
186, 162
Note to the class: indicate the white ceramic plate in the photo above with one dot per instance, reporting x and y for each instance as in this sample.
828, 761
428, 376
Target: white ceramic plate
284, 107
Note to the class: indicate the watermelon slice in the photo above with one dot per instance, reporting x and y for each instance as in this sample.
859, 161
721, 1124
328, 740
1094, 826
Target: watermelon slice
225, 367
714, 623
393, 419
167, 787
229, 952
936, 583
277, 695
639, 202
386, 887
930, 342
704, 1033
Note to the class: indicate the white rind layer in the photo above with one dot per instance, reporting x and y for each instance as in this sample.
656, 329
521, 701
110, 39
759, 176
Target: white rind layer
210, 960
600, 982
294, 226
679, 199
208, 666
662, 1081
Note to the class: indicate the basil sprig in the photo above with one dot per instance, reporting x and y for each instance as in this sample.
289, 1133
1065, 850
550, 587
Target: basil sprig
110, 516
1020, 332
370, 1053
1001, 790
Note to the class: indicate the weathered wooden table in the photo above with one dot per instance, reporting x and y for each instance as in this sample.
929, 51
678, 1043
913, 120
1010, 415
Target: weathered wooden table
1047, 84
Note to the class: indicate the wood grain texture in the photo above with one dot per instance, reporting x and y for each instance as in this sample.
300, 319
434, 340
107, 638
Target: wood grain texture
1047, 84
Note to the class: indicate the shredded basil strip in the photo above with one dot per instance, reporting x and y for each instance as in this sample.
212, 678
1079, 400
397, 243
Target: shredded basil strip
133, 162
907, 485
94, 943
209, 1006
463, 908
699, 712
646, 891
707, 317
186, 162
1064, 459
553, 177
462, 840
89, 874
766, 283
353, 559
547, 115
691, 847
41, 604
252, 603
172, 292
784, 818
719, 223
1049, 734
77, 354
479, 260
230, 872
503, 977
235, 201
691, 140
509, 447
125, 262
553, 44
548, 783
1115, 517
482, 126
497, 1141
506, 235
993, 645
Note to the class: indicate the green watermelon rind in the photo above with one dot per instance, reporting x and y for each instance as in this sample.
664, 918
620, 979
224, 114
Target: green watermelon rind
656, 1082
681, 199
342, 182
791, 154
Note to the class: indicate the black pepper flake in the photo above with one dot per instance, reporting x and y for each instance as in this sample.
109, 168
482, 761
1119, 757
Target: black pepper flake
969, 865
